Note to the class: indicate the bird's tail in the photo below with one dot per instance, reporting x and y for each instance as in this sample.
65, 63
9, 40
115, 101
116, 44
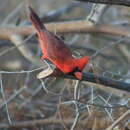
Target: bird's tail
36, 21
82, 62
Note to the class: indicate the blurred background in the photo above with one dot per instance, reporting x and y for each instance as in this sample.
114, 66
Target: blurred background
27, 103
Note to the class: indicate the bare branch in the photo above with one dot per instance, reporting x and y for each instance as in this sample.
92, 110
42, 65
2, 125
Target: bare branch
50, 120
55, 14
96, 13
4, 98
118, 120
114, 2
17, 40
90, 77
80, 26
13, 13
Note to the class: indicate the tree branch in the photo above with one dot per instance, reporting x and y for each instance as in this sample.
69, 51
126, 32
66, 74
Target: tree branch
119, 120
80, 26
47, 121
90, 77
17, 40
114, 2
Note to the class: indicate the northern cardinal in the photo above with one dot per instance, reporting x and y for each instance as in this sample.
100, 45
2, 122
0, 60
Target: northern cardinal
55, 50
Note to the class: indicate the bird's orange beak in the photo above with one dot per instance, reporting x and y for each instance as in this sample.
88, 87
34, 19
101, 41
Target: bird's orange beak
78, 75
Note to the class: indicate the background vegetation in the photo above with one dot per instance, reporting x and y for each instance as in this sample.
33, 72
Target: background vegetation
24, 101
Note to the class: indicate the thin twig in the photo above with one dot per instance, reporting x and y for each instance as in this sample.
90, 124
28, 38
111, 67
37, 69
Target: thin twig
55, 14
12, 97
51, 120
107, 111
108, 46
22, 71
48, 91
118, 120
77, 116
12, 48
13, 13
77, 90
3, 95
17, 40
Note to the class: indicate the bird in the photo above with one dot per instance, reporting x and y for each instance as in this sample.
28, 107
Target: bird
56, 50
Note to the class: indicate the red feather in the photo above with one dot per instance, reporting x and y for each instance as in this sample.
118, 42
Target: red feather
55, 50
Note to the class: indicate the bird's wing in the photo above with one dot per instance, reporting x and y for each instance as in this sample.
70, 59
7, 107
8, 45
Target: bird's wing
56, 48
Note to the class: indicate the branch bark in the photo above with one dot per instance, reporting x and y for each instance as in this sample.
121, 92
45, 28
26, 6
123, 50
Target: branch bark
107, 82
90, 77
114, 2
48, 121
80, 26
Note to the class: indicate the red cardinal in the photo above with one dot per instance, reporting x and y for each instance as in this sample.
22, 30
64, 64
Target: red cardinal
55, 50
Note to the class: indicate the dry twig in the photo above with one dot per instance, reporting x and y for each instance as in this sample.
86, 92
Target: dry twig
114, 2
118, 120
79, 26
